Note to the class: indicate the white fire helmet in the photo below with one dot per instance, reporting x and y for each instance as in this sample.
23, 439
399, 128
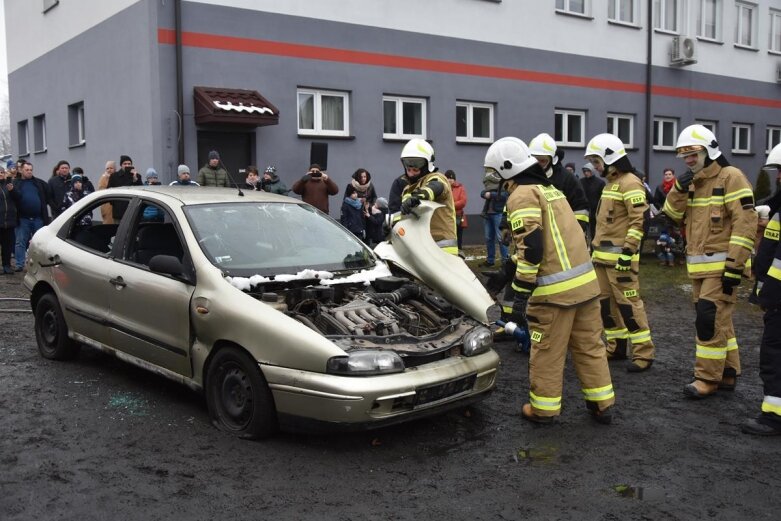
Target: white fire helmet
607, 146
544, 145
774, 158
697, 137
417, 149
509, 156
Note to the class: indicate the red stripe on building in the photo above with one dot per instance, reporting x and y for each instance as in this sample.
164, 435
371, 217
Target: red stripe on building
312, 52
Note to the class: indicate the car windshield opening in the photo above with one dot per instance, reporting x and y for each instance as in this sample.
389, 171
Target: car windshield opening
272, 238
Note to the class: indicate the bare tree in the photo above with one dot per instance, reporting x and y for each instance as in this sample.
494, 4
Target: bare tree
5, 128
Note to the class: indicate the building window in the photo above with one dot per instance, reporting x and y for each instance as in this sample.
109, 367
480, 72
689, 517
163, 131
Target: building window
22, 138
623, 11
709, 124
775, 31
665, 133
745, 25
323, 113
622, 125
741, 139
76, 134
39, 133
474, 122
773, 138
569, 128
666, 15
403, 118
709, 20
579, 7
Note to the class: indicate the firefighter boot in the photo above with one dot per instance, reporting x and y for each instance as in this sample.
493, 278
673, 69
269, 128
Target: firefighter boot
638, 366
620, 352
728, 380
758, 427
700, 389
527, 413
605, 416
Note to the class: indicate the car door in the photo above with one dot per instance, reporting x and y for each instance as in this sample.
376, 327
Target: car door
80, 266
149, 312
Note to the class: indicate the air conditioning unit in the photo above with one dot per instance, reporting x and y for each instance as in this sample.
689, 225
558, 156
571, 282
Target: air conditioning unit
683, 51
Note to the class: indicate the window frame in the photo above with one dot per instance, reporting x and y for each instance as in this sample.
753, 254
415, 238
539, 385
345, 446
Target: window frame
39, 134
736, 128
23, 137
317, 123
752, 45
470, 106
399, 115
566, 9
565, 113
76, 126
615, 5
769, 141
659, 121
774, 30
710, 124
718, 35
658, 19
615, 117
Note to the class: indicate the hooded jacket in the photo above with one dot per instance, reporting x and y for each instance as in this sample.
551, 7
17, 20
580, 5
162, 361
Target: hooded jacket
208, 176
274, 185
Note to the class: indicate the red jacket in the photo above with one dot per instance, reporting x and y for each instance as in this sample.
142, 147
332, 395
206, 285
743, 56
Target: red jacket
459, 197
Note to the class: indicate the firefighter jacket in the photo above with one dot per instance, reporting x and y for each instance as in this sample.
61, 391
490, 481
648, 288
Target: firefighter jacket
551, 255
435, 187
619, 218
569, 185
767, 266
721, 223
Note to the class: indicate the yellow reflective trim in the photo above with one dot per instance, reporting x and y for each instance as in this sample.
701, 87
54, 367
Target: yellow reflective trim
612, 334
705, 266
612, 195
774, 225
526, 212
669, 210
732, 344
739, 194
598, 394
452, 250
637, 234
711, 353
770, 407
545, 403
612, 257
551, 193
581, 217
429, 191
742, 241
639, 337
558, 287
519, 289
774, 272
558, 241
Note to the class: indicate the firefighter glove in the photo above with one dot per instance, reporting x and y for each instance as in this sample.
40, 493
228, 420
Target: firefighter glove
420, 194
684, 180
518, 314
408, 204
728, 282
624, 260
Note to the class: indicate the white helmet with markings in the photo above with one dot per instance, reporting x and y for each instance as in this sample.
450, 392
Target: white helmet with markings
606, 146
415, 151
509, 156
695, 138
544, 145
774, 158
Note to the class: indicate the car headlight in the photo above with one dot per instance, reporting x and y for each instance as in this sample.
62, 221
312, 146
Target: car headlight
362, 363
478, 341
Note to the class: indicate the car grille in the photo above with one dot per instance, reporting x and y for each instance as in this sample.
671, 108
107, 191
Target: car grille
433, 393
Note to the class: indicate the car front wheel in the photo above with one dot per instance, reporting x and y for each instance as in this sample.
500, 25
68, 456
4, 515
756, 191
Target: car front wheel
238, 396
51, 332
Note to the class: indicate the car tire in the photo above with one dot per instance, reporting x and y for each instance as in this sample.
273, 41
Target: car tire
238, 396
51, 331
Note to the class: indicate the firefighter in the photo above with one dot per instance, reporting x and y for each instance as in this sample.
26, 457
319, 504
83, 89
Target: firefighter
616, 253
555, 277
427, 184
767, 268
715, 202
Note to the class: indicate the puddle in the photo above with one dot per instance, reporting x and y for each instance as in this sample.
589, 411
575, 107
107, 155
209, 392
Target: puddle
641, 493
545, 454
129, 403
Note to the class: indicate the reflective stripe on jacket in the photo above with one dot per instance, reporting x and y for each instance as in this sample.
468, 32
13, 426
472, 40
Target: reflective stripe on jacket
619, 217
443, 221
561, 273
721, 223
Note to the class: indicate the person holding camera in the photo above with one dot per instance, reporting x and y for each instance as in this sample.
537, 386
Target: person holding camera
315, 187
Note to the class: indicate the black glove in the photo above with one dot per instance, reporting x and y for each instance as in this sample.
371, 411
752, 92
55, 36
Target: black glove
497, 280
518, 314
624, 260
505, 234
408, 204
684, 180
420, 194
728, 282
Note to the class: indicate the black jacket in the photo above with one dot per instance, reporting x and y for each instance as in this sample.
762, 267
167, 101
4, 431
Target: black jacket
117, 179
8, 216
592, 189
59, 186
394, 199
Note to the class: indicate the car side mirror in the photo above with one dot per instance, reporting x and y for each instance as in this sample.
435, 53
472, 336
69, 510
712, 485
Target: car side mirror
169, 265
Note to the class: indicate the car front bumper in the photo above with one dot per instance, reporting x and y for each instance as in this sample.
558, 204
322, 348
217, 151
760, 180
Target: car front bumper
360, 402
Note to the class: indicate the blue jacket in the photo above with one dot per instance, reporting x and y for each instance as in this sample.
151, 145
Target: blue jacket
352, 217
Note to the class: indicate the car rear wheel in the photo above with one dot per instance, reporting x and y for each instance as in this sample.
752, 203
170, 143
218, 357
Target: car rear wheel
238, 396
51, 332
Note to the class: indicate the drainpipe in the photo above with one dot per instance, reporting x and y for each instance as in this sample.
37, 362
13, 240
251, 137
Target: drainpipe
179, 87
649, 124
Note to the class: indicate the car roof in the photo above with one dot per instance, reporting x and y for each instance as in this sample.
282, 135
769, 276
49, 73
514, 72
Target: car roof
193, 195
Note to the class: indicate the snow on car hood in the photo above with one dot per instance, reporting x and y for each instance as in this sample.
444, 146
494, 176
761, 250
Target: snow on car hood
325, 278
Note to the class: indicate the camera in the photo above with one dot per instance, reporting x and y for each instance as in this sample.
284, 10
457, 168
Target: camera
316, 173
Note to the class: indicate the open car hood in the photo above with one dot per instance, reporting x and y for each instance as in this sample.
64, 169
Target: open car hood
411, 247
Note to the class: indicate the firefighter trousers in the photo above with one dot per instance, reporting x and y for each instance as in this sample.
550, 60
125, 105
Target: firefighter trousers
553, 330
716, 353
623, 313
770, 367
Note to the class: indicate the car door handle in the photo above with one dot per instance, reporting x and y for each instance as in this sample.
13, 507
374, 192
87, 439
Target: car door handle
118, 282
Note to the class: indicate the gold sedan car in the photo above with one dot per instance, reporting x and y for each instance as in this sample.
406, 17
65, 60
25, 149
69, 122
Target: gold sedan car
273, 310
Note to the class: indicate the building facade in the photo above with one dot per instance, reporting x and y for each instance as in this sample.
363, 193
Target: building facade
347, 82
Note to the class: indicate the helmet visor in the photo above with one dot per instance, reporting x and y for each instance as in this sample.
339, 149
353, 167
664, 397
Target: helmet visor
491, 170
413, 162
688, 150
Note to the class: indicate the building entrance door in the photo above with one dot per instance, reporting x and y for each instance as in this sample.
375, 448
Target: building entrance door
236, 151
